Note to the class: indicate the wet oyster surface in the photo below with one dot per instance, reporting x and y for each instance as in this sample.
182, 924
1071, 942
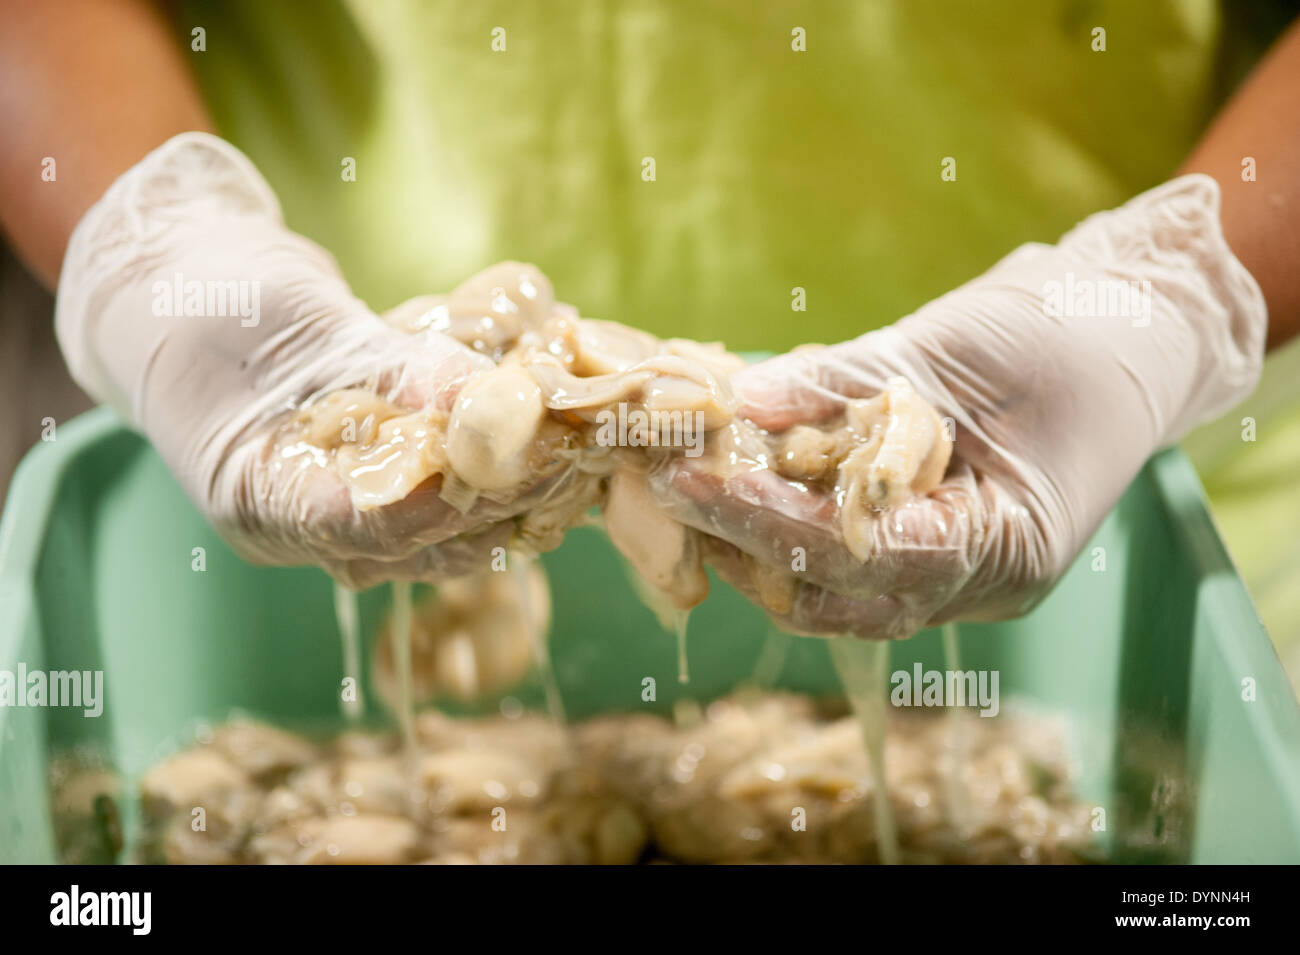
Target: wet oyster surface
588, 409
753, 778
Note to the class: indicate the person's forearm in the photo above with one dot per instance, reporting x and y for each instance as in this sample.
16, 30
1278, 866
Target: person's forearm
1261, 217
92, 85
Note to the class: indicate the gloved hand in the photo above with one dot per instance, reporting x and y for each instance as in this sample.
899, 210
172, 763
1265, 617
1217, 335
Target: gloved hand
186, 304
1055, 402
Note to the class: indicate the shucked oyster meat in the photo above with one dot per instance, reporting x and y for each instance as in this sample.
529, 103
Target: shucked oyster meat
878, 452
622, 788
588, 407
473, 636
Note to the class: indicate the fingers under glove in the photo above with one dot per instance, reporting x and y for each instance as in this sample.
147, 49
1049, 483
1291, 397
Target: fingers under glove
812, 610
954, 552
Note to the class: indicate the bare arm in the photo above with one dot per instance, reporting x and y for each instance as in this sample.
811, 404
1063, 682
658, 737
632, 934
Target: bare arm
94, 85
1261, 219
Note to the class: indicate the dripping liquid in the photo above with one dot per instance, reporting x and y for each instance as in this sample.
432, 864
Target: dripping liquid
958, 800
680, 622
345, 613
863, 667
771, 660
401, 637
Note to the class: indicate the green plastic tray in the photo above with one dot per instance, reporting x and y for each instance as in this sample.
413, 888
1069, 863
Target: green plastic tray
1146, 659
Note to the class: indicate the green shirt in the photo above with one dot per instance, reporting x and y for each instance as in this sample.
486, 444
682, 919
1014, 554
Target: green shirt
774, 168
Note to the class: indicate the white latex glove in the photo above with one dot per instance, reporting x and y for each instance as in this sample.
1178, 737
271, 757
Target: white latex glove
208, 385
1055, 410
